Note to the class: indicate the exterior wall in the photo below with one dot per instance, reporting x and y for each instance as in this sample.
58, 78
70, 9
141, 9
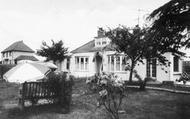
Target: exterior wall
141, 68
14, 54
164, 73
167, 73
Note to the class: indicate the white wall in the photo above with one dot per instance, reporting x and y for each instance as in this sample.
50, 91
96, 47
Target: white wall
163, 72
15, 54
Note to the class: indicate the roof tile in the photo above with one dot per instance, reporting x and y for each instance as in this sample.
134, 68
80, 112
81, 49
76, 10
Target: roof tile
18, 46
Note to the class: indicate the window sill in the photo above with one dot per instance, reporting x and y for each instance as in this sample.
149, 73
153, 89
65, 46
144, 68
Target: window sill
118, 72
81, 71
177, 73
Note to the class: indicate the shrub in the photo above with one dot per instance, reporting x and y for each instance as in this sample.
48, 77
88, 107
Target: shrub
4, 68
110, 89
62, 83
184, 78
168, 83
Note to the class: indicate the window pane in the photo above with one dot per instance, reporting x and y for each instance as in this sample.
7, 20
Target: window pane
77, 63
148, 68
86, 64
112, 63
118, 63
109, 63
82, 63
123, 63
68, 63
153, 67
176, 64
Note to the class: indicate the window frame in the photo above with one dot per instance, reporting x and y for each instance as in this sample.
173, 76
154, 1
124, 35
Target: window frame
176, 64
79, 66
113, 63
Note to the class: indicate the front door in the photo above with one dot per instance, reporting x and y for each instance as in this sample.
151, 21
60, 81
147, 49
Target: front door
151, 68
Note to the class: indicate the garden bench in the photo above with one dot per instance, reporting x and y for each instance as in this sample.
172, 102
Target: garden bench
33, 91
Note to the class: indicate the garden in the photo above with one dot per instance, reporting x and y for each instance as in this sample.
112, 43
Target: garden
136, 105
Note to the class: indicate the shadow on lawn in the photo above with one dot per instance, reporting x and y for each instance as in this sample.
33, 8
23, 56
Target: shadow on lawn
16, 113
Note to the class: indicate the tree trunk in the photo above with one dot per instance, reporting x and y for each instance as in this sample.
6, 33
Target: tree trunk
131, 71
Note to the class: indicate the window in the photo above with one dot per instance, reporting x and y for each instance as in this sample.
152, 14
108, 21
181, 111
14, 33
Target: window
9, 54
176, 63
116, 63
151, 68
123, 63
104, 42
112, 63
68, 63
98, 43
81, 63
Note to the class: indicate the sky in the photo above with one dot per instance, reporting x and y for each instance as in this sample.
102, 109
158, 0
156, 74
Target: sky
75, 22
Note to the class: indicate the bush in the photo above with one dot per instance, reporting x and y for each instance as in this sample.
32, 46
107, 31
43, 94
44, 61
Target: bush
110, 89
184, 78
168, 83
4, 68
63, 83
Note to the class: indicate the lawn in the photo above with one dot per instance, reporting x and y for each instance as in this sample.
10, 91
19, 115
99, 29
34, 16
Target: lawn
147, 104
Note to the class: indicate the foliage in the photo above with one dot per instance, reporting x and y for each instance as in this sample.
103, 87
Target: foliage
184, 78
110, 89
58, 88
136, 44
4, 68
129, 41
63, 82
55, 52
170, 25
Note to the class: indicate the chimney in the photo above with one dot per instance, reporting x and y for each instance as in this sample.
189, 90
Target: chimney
101, 32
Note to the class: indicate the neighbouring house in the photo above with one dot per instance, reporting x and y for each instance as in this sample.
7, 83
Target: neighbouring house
98, 56
17, 52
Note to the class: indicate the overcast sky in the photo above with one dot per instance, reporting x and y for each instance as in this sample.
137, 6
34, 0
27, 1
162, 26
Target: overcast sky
73, 21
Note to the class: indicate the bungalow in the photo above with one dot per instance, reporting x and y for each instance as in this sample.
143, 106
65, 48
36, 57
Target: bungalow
98, 56
16, 52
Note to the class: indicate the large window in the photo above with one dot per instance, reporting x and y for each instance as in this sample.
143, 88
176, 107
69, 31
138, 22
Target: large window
176, 63
116, 63
151, 68
81, 63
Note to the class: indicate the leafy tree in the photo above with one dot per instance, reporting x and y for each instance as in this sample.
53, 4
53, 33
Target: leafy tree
170, 24
132, 42
55, 52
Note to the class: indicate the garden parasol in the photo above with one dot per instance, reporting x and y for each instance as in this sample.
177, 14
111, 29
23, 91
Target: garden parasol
28, 71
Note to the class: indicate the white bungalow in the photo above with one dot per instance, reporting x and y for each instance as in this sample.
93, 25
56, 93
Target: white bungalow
98, 56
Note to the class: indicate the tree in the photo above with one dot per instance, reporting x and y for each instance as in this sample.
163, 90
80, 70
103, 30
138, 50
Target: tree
131, 42
55, 52
138, 44
171, 23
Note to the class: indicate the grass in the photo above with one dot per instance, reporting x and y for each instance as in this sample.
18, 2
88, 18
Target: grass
147, 104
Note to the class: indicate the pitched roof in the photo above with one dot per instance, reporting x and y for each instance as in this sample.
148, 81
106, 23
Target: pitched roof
18, 46
25, 57
90, 47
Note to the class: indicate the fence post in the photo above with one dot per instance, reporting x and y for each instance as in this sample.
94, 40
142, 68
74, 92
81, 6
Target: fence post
22, 96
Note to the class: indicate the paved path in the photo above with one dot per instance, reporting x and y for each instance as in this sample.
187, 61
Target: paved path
163, 89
